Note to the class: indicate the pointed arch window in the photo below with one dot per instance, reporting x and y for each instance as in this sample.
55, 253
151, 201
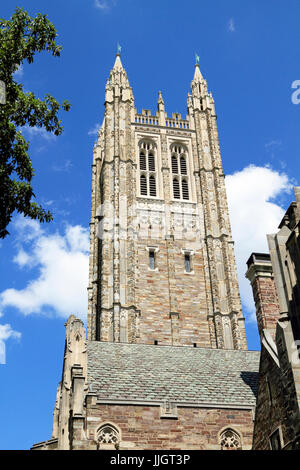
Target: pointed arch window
147, 167
176, 189
143, 183
152, 186
143, 165
230, 440
185, 189
179, 166
183, 168
151, 162
108, 437
174, 164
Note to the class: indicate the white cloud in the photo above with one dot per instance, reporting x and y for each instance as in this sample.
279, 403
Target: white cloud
19, 71
35, 131
27, 229
104, 5
101, 4
22, 258
66, 166
94, 130
231, 25
62, 263
6, 332
253, 215
273, 143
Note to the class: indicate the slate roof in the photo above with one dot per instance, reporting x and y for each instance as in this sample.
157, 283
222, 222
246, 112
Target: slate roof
141, 372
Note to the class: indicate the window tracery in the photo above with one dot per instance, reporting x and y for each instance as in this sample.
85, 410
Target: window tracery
179, 166
148, 168
108, 434
230, 440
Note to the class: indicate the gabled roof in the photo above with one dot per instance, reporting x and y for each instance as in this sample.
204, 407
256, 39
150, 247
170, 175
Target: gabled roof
180, 374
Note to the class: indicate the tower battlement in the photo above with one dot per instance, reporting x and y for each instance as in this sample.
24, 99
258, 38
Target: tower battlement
176, 121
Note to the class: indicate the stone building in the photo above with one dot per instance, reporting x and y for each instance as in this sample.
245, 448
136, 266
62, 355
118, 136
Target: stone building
165, 364
275, 282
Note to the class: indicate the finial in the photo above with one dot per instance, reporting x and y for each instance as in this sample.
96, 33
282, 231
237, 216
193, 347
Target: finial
160, 98
119, 48
197, 58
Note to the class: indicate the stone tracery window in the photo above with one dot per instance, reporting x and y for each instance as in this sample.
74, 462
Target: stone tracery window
108, 434
230, 440
148, 168
179, 165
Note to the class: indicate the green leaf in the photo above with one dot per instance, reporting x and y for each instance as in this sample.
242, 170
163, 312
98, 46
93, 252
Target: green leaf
21, 38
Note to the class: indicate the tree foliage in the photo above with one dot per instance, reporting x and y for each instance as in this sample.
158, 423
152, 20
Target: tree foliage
21, 38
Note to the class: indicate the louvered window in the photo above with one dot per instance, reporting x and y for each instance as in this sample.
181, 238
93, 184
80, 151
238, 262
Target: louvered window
152, 185
179, 166
176, 189
151, 162
174, 165
185, 189
143, 165
183, 169
143, 185
147, 164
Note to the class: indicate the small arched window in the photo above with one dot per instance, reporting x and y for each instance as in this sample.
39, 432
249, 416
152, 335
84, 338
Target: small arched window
151, 162
174, 165
230, 440
144, 185
185, 189
108, 437
152, 185
176, 189
183, 168
143, 165
179, 165
147, 163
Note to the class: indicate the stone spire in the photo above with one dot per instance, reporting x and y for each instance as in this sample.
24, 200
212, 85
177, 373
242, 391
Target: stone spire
225, 308
201, 99
197, 74
112, 314
118, 84
118, 64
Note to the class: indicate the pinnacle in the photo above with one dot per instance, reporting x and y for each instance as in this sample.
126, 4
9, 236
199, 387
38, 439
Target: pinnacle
160, 98
197, 74
118, 63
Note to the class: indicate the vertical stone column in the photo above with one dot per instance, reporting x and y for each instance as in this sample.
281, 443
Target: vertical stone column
226, 310
69, 416
260, 274
112, 258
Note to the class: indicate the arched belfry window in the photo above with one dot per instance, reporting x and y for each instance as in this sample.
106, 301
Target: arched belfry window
143, 184
185, 189
183, 169
230, 440
176, 188
180, 177
148, 168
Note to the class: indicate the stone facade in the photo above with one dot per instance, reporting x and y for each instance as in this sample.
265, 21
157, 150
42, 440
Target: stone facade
165, 364
275, 283
137, 208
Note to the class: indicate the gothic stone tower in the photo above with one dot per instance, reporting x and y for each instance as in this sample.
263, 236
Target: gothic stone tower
162, 266
165, 364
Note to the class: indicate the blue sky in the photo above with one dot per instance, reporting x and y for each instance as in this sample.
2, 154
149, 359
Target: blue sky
249, 53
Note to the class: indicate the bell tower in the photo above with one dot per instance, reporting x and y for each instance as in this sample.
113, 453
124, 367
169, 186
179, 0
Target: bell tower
162, 265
